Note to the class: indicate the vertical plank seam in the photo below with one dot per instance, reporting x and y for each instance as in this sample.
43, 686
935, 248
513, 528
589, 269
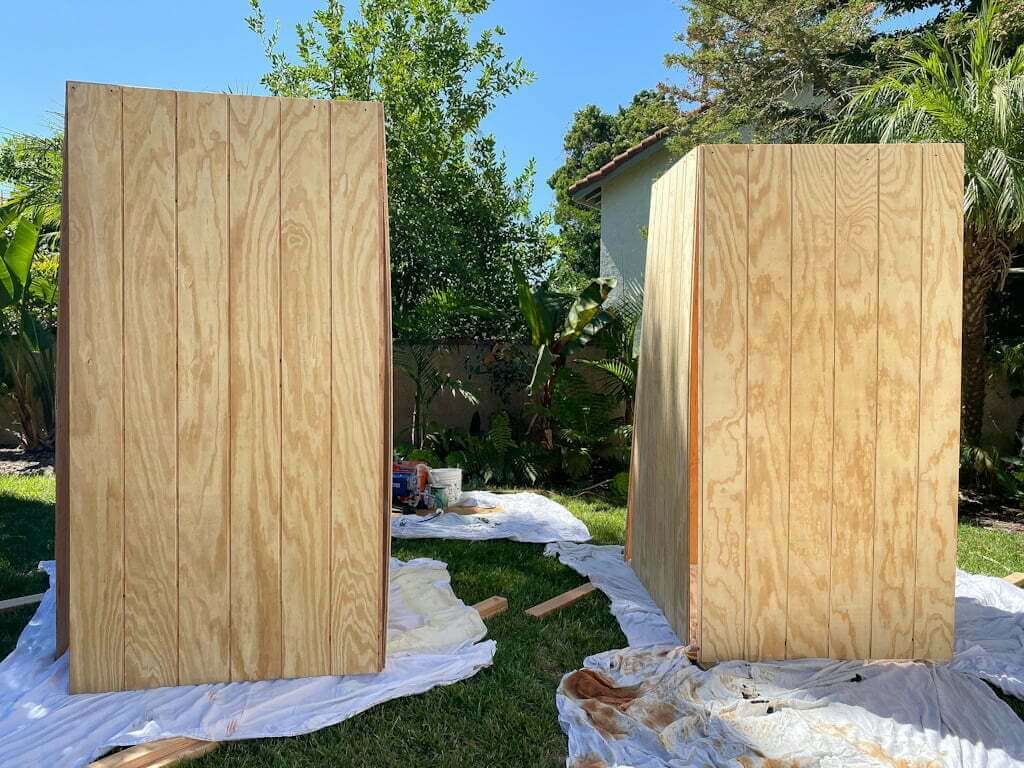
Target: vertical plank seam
387, 382
177, 421
280, 393
874, 452
230, 451
124, 471
747, 400
789, 420
698, 307
920, 398
330, 365
832, 453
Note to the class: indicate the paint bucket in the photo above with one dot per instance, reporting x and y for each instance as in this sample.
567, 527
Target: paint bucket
451, 479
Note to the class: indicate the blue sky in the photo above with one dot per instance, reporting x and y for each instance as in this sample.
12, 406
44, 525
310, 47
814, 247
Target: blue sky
582, 51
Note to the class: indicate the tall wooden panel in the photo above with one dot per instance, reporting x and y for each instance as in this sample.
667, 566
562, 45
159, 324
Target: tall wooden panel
150, 389
204, 585
724, 403
899, 371
96, 388
357, 396
254, 208
306, 380
224, 478
855, 388
941, 297
811, 407
769, 283
666, 337
823, 377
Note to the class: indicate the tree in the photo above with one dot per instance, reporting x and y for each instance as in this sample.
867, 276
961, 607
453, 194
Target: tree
973, 96
594, 138
781, 70
458, 222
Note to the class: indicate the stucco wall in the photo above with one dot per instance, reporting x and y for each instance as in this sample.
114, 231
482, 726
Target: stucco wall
625, 205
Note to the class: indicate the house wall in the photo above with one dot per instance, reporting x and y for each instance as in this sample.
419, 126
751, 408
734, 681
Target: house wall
625, 206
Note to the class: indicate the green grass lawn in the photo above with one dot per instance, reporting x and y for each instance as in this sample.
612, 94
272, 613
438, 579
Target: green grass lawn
503, 716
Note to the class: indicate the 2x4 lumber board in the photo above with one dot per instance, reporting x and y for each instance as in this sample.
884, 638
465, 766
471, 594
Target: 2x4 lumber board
203, 389
856, 374
769, 284
166, 752
156, 754
1017, 579
560, 601
723, 409
96, 388
150, 390
306, 377
492, 606
357, 388
17, 602
941, 291
899, 357
255, 353
813, 351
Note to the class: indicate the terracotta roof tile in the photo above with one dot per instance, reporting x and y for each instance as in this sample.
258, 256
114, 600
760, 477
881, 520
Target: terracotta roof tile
620, 159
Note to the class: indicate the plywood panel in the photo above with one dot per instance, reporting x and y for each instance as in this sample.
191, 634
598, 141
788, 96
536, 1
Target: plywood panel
941, 283
823, 379
203, 438
96, 389
899, 370
150, 390
255, 370
769, 283
661, 440
357, 386
856, 374
306, 380
812, 350
723, 409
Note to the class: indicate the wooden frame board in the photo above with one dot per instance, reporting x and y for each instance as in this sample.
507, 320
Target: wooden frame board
224, 388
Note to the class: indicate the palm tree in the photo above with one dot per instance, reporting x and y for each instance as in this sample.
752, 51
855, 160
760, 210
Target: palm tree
975, 97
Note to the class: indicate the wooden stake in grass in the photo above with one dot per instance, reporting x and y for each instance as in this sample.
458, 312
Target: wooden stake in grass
562, 600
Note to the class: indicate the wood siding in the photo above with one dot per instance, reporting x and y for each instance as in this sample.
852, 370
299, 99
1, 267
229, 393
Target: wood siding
225, 374
824, 466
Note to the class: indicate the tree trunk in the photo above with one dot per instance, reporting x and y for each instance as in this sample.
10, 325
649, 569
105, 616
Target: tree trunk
983, 267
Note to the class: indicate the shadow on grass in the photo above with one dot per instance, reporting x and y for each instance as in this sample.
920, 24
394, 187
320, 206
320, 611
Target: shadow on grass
26, 537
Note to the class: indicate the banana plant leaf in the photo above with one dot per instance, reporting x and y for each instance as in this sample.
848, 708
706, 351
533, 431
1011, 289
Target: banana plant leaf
18, 251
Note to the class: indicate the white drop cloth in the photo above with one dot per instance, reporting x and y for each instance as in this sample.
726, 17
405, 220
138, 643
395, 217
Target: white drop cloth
910, 715
651, 707
527, 517
432, 640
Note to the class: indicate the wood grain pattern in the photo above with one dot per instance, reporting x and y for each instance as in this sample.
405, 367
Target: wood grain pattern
150, 390
306, 383
941, 301
96, 389
769, 281
203, 436
357, 522
822, 375
899, 370
661, 437
723, 408
255, 360
856, 375
812, 350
